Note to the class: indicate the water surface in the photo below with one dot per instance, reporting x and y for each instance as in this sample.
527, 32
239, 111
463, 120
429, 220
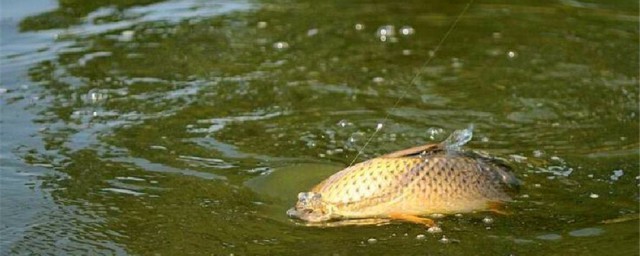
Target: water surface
188, 127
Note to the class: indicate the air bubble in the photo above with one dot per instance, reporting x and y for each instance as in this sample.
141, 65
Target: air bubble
343, 123
434, 133
280, 45
407, 31
379, 126
487, 220
421, 237
434, 229
372, 240
593, 195
262, 24
378, 80
406, 52
437, 215
444, 240
512, 54
359, 26
96, 97
386, 30
616, 175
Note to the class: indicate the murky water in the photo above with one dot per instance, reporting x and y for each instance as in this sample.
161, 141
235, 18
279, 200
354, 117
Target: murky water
188, 127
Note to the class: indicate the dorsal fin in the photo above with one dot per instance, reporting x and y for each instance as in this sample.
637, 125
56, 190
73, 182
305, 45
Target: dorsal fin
452, 144
414, 151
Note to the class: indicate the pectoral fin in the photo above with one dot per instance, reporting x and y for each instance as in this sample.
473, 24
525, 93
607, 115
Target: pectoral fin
497, 207
413, 219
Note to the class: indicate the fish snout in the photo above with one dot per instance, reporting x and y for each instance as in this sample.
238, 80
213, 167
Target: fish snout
309, 207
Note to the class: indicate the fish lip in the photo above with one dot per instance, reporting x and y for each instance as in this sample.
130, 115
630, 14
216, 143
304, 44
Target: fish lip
293, 213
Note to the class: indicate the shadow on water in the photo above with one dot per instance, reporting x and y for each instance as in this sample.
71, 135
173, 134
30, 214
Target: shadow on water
188, 127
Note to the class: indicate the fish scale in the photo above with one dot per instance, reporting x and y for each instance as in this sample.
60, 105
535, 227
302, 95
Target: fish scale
429, 185
434, 180
406, 184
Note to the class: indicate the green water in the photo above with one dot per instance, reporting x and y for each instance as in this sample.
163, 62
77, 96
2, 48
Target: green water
187, 127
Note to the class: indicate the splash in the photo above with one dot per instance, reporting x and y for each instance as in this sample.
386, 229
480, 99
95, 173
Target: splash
458, 138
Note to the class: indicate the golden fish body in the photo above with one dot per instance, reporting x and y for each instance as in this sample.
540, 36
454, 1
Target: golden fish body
413, 182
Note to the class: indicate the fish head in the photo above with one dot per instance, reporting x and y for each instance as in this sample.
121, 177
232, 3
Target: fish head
311, 208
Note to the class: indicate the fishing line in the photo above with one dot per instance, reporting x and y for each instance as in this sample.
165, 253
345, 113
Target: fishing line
414, 79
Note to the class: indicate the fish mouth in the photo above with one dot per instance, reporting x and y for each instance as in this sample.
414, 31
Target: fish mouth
307, 215
293, 213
